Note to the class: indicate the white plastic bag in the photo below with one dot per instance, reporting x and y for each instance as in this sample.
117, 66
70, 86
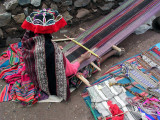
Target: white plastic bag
146, 26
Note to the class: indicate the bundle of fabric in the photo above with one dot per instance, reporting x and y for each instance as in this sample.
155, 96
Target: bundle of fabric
139, 76
12, 70
112, 29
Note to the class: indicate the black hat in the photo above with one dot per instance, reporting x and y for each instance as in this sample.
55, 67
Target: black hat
156, 24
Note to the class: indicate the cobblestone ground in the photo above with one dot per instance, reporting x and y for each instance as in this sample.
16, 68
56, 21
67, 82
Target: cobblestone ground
75, 108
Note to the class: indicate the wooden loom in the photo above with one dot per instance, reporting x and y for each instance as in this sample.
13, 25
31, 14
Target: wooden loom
112, 29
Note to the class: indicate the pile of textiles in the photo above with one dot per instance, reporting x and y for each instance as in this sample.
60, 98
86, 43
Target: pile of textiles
19, 86
129, 90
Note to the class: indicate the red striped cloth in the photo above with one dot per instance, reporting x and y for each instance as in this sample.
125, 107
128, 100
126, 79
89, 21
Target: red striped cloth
18, 87
24, 90
3, 95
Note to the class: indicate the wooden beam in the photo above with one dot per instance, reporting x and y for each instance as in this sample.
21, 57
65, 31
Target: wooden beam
81, 29
116, 48
83, 79
58, 40
95, 66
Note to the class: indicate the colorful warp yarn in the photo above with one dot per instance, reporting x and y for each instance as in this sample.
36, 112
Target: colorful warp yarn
19, 87
112, 29
135, 89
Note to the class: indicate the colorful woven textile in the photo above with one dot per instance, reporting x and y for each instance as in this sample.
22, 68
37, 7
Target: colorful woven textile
4, 96
112, 29
9, 60
131, 90
18, 87
24, 90
44, 21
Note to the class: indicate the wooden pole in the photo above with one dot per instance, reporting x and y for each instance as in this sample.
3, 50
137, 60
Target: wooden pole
116, 48
95, 66
107, 55
82, 78
58, 40
81, 29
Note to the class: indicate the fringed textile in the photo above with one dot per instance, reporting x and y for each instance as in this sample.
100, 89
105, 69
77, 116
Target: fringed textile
131, 91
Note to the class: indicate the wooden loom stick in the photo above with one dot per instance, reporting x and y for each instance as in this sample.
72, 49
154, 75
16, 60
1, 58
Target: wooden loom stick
82, 78
81, 29
82, 46
116, 48
94, 65
58, 40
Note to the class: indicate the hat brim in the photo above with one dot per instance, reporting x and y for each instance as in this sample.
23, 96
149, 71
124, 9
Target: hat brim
156, 24
44, 29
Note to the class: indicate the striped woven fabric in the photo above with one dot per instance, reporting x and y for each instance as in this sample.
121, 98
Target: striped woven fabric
4, 96
117, 70
19, 86
112, 29
24, 91
10, 59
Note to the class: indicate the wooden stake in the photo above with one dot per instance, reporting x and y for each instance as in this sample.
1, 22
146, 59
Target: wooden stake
81, 29
58, 40
95, 66
83, 79
116, 48
107, 55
